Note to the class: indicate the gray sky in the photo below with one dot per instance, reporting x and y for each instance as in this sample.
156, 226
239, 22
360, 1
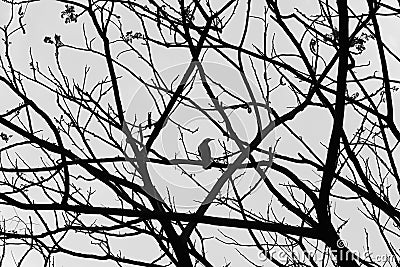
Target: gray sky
314, 125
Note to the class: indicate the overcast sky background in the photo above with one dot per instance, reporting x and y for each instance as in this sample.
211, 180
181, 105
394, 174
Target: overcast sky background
43, 19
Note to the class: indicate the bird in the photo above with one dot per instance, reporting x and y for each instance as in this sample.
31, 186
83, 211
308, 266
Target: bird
205, 153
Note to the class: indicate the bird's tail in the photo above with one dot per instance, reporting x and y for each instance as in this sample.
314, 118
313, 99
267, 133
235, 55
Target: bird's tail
206, 163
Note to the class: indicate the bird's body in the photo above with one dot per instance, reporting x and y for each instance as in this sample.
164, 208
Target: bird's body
205, 153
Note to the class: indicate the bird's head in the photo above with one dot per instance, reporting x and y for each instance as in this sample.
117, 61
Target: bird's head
207, 140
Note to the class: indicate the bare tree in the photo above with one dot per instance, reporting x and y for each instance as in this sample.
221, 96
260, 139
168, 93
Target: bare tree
199, 133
